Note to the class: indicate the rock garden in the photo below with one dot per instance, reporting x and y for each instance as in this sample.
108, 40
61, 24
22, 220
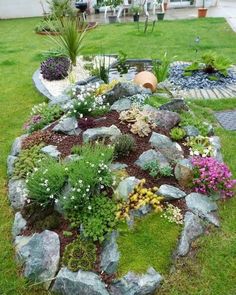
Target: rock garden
94, 163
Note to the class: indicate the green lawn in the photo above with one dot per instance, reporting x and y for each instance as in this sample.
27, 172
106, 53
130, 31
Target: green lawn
212, 270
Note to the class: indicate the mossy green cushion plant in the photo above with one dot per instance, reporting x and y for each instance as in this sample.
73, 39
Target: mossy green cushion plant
79, 255
177, 133
27, 161
150, 243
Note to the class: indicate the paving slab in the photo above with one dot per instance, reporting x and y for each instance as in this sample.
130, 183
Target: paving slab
227, 119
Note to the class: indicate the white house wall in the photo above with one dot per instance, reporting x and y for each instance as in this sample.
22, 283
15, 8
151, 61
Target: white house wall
21, 8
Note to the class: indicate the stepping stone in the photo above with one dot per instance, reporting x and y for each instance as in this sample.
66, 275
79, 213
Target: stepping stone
227, 119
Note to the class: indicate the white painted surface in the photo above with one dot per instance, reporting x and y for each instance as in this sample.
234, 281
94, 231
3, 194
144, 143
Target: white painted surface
21, 8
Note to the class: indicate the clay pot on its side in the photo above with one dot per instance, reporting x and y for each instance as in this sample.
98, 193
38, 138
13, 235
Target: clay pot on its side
146, 79
202, 12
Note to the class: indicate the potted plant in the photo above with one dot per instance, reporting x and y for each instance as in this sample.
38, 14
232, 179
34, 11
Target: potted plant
113, 4
136, 9
202, 11
161, 14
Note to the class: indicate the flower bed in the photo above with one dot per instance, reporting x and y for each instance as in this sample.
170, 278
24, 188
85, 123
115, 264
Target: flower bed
102, 160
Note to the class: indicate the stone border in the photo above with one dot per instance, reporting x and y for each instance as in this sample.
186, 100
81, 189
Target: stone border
196, 93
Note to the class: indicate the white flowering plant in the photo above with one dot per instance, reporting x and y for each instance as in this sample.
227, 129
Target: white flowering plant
45, 183
89, 176
87, 102
173, 214
199, 146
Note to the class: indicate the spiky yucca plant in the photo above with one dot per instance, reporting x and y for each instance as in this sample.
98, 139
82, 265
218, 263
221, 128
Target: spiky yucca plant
70, 39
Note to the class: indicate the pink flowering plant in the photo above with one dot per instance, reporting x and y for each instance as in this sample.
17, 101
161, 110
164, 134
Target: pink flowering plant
211, 176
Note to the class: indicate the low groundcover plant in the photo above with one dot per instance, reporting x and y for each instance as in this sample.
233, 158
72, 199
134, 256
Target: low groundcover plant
211, 176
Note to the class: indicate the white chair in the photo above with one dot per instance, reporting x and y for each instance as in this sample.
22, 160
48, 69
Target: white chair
123, 7
158, 4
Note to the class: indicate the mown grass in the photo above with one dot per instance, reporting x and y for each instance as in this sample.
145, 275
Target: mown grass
149, 243
211, 270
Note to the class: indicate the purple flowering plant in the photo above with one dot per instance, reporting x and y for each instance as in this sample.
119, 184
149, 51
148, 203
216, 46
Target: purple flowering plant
55, 68
211, 176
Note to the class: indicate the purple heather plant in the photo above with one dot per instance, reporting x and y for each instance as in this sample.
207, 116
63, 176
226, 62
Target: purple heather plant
55, 68
211, 176
36, 119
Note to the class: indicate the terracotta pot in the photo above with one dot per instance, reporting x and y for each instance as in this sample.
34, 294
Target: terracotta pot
202, 12
147, 80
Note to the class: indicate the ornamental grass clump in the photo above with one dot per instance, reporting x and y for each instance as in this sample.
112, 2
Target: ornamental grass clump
45, 183
211, 176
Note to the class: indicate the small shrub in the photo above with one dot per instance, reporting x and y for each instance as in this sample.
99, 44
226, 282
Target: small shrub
27, 161
177, 133
210, 63
122, 66
155, 170
88, 177
79, 255
50, 222
199, 145
45, 183
138, 198
55, 68
99, 218
36, 138
87, 102
42, 115
124, 145
47, 26
211, 176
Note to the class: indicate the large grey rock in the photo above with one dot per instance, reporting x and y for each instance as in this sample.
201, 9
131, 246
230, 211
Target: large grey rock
125, 89
203, 207
122, 104
184, 172
117, 166
16, 146
67, 125
40, 256
78, 283
10, 164
171, 150
149, 156
191, 130
163, 119
18, 225
111, 132
51, 151
126, 187
17, 193
171, 192
215, 142
110, 254
193, 228
133, 284
176, 105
